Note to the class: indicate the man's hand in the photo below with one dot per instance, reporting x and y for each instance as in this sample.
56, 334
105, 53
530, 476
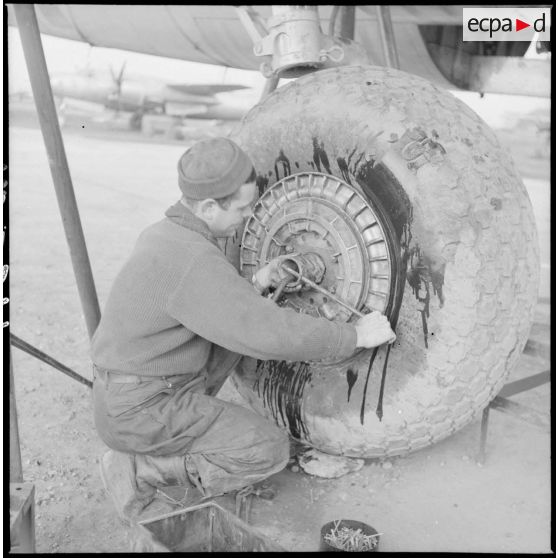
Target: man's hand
373, 330
271, 274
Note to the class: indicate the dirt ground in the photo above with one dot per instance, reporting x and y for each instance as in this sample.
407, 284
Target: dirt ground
439, 499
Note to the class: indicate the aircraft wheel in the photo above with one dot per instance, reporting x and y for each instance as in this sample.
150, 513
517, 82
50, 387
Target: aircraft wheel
462, 278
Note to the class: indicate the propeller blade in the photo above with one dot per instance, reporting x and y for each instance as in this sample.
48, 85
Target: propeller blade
118, 82
121, 75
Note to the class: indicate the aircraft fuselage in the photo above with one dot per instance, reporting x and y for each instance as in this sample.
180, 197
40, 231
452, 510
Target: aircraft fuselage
138, 97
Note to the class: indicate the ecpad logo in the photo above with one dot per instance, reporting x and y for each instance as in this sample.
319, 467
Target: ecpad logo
506, 24
494, 24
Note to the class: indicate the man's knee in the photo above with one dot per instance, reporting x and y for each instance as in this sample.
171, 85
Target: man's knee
282, 447
275, 443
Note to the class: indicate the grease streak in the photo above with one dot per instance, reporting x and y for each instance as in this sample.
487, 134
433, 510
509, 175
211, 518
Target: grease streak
363, 403
420, 275
351, 379
320, 156
349, 167
380, 406
283, 162
282, 387
261, 184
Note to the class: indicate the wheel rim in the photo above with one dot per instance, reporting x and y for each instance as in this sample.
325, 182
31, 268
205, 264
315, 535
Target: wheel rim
317, 214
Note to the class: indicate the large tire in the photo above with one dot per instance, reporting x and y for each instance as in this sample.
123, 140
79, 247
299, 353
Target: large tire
465, 230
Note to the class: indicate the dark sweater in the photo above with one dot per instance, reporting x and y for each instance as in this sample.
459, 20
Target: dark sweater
178, 294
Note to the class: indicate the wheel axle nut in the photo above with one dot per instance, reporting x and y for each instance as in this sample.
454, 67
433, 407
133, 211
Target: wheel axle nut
310, 265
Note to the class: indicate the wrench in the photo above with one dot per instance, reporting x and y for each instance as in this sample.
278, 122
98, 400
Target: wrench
325, 292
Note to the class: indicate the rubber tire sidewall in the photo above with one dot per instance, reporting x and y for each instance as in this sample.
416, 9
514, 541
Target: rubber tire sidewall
461, 205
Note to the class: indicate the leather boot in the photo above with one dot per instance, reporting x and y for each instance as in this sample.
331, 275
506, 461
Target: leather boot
118, 473
135, 481
163, 474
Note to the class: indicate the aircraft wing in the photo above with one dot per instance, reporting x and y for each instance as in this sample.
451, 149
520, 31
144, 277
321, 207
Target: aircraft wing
428, 40
205, 90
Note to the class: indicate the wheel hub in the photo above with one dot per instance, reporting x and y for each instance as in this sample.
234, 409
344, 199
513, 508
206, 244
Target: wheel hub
333, 236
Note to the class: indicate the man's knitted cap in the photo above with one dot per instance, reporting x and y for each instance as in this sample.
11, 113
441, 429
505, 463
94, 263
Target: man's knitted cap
213, 168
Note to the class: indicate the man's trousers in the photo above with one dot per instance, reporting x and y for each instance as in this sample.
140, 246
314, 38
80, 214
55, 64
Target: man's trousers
226, 446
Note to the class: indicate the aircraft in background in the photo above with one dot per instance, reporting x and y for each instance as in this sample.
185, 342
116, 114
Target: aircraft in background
428, 40
142, 95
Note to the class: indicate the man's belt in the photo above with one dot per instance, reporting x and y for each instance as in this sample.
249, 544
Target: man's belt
109, 376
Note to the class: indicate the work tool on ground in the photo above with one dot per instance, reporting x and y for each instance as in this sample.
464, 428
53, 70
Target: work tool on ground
321, 290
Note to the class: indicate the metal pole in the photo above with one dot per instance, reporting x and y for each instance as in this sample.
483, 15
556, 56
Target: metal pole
530, 382
387, 36
33, 351
348, 22
16, 472
42, 93
270, 86
332, 19
484, 433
